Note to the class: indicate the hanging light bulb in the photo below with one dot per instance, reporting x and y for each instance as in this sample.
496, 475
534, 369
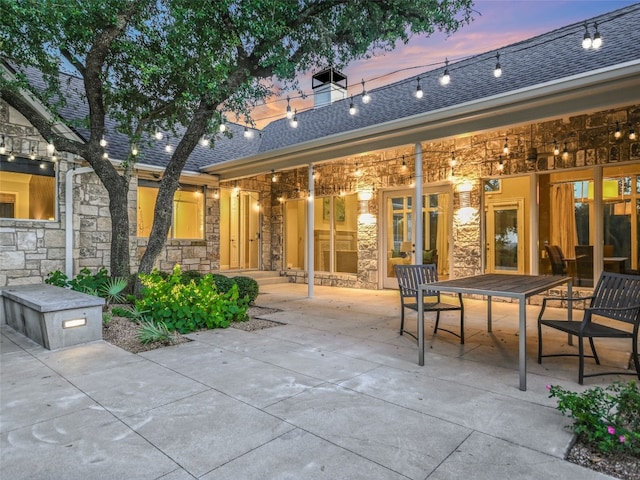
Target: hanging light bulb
445, 78
158, 135
204, 141
366, 98
247, 133
597, 39
32, 155
352, 107
103, 142
134, 150
404, 164
411, 182
294, 120
632, 133
556, 148
105, 155
168, 148
12, 157
274, 179
500, 164
497, 72
3, 147
505, 149
565, 152
357, 172
289, 113
222, 127
617, 133
50, 148
54, 156
586, 40
453, 162
419, 92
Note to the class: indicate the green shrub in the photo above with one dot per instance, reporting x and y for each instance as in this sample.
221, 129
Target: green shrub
99, 284
189, 275
608, 418
223, 283
246, 287
189, 307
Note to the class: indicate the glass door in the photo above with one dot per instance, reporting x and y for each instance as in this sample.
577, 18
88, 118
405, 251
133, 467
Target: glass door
505, 237
239, 230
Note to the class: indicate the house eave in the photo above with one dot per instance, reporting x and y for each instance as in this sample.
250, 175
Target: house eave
592, 91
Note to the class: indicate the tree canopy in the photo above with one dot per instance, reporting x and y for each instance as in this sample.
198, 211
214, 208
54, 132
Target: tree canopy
179, 65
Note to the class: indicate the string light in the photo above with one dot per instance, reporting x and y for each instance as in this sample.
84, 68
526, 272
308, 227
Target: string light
3, 147
158, 135
357, 172
32, 155
497, 72
12, 157
505, 149
419, 92
617, 133
632, 133
204, 141
556, 148
134, 150
446, 78
352, 107
222, 127
586, 39
565, 152
366, 98
597, 39
50, 148
500, 164
294, 120
289, 113
247, 133
274, 179
404, 164
103, 142
453, 162
54, 156
105, 155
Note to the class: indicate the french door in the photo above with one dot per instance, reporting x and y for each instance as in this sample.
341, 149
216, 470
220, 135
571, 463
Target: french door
505, 237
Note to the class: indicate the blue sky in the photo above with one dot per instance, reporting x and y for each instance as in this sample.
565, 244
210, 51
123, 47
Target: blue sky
497, 23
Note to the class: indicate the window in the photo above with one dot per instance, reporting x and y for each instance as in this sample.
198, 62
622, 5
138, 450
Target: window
27, 189
188, 211
336, 233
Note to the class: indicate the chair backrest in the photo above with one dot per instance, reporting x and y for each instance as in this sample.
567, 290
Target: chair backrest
584, 261
558, 265
410, 277
617, 290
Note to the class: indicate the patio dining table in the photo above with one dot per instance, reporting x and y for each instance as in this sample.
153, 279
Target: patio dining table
519, 287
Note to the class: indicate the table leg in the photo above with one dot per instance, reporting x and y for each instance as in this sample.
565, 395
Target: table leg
570, 306
420, 327
523, 343
489, 313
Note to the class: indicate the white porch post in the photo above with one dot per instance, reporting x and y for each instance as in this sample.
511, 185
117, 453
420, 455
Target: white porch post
310, 239
418, 234
534, 251
598, 223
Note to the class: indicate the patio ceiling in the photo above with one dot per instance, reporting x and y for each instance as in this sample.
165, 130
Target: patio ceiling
593, 91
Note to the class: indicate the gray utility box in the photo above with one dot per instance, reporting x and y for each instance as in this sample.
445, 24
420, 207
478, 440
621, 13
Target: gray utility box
54, 317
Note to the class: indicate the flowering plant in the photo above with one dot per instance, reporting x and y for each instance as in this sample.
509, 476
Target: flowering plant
607, 417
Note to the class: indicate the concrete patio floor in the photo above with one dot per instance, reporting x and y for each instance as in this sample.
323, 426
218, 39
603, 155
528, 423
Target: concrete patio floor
336, 393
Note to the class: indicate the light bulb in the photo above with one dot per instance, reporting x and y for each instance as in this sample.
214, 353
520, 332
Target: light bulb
419, 92
168, 148
597, 39
3, 148
565, 152
556, 148
294, 120
105, 155
497, 72
446, 78
586, 40
222, 127
158, 135
205, 142
289, 113
632, 133
103, 142
500, 165
134, 150
453, 162
247, 133
50, 148
505, 149
274, 179
617, 133
352, 107
366, 98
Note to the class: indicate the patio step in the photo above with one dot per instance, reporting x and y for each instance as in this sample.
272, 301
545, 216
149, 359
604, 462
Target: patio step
263, 277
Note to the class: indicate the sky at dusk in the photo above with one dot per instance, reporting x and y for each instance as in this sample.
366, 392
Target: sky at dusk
496, 24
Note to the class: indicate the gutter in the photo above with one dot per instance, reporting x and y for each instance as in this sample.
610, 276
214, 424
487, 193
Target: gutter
68, 229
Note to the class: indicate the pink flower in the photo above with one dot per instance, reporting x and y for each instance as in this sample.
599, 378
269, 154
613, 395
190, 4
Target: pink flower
611, 430
548, 387
622, 438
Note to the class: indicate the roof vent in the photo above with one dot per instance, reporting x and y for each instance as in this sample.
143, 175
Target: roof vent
328, 86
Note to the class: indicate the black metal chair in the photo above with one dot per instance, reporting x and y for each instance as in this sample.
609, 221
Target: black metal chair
558, 263
615, 298
410, 277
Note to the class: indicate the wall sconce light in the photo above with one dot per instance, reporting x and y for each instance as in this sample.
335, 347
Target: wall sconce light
464, 194
365, 195
77, 322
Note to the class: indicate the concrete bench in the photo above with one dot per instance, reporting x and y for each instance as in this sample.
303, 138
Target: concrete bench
52, 316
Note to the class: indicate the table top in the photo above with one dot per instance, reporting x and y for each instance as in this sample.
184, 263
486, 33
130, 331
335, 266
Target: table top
499, 285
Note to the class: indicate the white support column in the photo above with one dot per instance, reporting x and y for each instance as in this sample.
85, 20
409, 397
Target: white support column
418, 234
310, 239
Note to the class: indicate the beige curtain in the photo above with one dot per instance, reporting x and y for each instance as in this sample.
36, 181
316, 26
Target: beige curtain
443, 234
563, 219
